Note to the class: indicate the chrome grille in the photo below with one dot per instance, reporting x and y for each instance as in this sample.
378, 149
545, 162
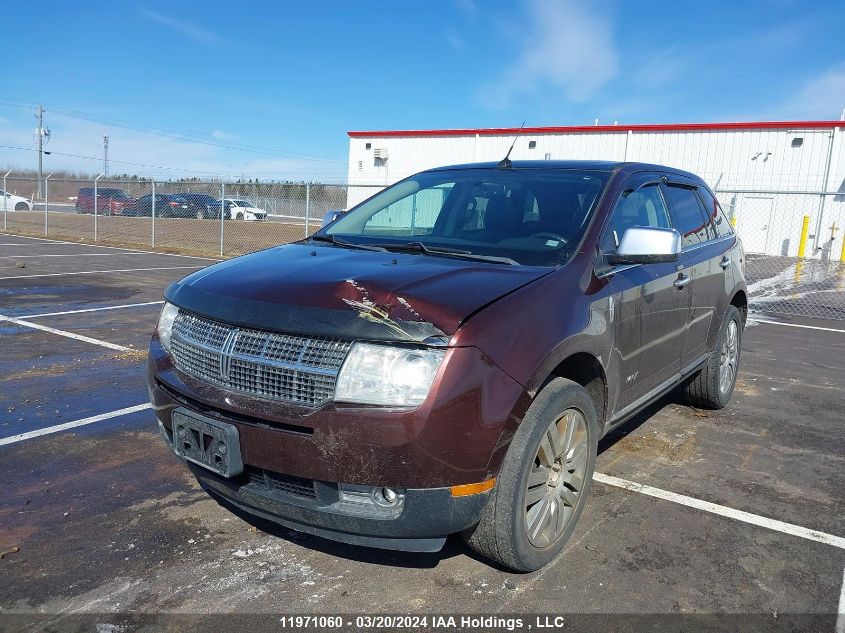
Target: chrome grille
287, 367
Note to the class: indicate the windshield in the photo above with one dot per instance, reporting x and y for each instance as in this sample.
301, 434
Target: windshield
534, 217
242, 203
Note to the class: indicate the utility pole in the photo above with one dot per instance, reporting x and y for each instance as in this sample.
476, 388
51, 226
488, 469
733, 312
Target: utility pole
106, 156
40, 133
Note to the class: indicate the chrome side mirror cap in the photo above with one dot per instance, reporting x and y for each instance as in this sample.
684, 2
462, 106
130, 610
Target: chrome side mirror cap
647, 245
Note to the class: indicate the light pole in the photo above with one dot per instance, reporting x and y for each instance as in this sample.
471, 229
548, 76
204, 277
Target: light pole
105, 157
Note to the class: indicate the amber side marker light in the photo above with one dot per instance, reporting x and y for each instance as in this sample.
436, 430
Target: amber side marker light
473, 489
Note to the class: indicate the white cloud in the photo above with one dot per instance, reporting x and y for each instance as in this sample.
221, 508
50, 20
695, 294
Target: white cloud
566, 46
467, 6
194, 31
822, 96
220, 135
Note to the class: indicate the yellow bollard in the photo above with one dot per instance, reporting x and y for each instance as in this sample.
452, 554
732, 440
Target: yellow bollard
805, 230
733, 221
842, 254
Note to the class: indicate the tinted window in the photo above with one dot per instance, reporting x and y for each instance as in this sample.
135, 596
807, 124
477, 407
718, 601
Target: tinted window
687, 215
643, 207
719, 222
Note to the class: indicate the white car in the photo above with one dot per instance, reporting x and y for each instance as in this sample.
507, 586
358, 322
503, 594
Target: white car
241, 209
13, 202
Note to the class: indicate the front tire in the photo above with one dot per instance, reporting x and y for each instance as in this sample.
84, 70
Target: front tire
713, 386
22, 206
239, 216
544, 481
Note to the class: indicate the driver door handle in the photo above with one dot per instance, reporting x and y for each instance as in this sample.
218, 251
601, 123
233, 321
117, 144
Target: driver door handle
681, 281
725, 263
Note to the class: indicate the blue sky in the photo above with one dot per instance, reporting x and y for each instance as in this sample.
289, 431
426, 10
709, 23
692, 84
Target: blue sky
287, 80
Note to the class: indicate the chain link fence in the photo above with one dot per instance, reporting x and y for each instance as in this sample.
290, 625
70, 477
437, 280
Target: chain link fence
191, 217
795, 240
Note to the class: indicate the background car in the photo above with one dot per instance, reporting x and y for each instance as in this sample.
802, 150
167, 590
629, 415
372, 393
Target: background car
15, 203
110, 201
167, 205
242, 209
202, 205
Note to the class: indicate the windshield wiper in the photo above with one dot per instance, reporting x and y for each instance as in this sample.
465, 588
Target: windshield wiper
443, 251
331, 239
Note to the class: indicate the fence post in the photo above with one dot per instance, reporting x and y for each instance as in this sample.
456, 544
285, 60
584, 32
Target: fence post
46, 198
153, 213
222, 213
95, 205
307, 205
5, 198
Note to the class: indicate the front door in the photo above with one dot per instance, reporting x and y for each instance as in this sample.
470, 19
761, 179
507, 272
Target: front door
650, 310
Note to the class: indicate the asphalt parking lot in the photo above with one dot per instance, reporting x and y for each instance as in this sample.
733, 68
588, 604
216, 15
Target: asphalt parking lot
739, 512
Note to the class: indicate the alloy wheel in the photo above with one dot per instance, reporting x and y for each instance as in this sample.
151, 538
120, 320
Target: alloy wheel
729, 358
556, 478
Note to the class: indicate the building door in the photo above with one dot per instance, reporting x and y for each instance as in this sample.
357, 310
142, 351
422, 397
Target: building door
754, 223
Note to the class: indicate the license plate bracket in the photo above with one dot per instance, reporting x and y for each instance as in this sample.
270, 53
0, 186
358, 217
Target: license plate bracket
210, 443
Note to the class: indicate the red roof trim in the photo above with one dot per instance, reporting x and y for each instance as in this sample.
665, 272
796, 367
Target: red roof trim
663, 127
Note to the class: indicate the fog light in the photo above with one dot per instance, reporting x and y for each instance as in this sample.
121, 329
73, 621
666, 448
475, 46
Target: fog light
385, 496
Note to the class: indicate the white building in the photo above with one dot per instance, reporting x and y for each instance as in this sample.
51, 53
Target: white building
768, 175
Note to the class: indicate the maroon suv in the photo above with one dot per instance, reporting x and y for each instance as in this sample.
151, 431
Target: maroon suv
445, 357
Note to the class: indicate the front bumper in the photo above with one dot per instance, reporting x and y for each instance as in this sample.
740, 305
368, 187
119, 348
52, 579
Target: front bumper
419, 522
296, 459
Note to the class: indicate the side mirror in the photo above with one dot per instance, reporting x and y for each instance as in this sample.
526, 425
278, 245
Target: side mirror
647, 245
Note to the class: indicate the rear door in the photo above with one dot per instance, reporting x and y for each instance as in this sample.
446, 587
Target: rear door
649, 311
704, 256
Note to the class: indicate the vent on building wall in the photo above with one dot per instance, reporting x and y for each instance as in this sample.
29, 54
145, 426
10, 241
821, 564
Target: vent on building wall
798, 141
368, 146
532, 144
380, 153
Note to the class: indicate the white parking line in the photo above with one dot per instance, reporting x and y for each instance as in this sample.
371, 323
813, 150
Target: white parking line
21, 437
78, 337
71, 255
840, 612
115, 248
739, 515
120, 307
98, 272
799, 325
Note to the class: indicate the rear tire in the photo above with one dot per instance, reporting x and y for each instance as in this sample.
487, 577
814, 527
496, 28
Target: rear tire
713, 386
239, 216
537, 501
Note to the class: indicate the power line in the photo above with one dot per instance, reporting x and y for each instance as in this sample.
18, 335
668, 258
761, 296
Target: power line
148, 166
189, 138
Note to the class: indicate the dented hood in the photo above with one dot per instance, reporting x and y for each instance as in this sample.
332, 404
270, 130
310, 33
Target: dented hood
330, 291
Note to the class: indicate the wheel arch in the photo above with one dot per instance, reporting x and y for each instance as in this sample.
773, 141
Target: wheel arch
740, 302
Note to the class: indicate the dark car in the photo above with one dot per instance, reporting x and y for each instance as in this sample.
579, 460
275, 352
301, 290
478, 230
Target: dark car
167, 205
110, 201
202, 205
446, 356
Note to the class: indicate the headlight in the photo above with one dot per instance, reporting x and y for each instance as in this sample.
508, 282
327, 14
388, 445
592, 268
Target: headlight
394, 376
165, 324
